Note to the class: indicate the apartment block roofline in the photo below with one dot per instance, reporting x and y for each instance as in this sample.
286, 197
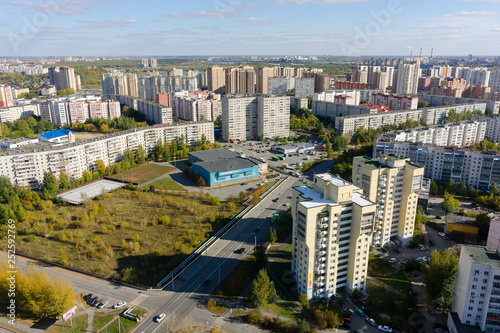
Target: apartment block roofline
103, 137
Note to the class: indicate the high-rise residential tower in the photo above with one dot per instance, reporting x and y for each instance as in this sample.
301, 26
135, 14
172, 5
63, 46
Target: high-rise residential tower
394, 184
407, 78
64, 78
331, 236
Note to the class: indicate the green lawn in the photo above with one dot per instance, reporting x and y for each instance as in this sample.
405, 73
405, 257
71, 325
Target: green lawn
102, 318
167, 184
283, 309
143, 173
398, 281
80, 324
379, 266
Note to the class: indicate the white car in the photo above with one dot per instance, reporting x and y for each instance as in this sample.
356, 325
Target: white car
371, 321
392, 260
160, 317
384, 328
119, 305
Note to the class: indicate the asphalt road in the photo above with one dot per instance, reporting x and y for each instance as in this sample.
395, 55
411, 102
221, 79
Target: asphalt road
183, 300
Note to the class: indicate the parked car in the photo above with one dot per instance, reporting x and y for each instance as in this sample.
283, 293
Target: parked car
359, 312
87, 297
160, 317
384, 328
397, 250
383, 250
392, 260
371, 322
240, 251
119, 305
102, 304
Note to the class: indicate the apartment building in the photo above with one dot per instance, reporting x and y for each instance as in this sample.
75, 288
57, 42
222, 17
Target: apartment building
304, 87
25, 167
353, 85
279, 86
196, 105
347, 125
394, 184
246, 117
240, 80
333, 110
153, 112
492, 107
407, 78
14, 113
396, 102
273, 119
64, 78
215, 79
478, 169
461, 134
332, 230
476, 299
120, 83
492, 127
6, 98
263, 75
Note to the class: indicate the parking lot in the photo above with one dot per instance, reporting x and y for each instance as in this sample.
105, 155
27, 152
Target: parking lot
250, 148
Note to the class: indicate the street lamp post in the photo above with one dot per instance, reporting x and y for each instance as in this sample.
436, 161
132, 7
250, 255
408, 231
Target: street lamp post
255, 236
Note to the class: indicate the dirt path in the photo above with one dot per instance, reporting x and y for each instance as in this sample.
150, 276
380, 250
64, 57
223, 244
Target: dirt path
90, 320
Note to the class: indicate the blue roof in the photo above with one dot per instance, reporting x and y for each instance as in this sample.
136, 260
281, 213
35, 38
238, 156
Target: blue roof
56, 133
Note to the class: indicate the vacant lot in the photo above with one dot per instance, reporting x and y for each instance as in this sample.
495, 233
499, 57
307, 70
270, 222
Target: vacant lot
143, 173
130, 235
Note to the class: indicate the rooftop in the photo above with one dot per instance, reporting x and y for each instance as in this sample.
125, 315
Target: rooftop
358, 199
333, 179
374, 163
226, 164
316, 199
56, 133
214, 154
481, 255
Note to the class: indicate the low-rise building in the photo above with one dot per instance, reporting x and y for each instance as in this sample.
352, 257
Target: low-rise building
10, 143
59, 137
223, 166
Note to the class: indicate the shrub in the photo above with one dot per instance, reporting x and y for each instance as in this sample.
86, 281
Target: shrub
30, 238
254, 316
211, 304
303, 300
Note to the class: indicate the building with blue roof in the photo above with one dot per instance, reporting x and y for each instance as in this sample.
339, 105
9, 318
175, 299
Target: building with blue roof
59, 137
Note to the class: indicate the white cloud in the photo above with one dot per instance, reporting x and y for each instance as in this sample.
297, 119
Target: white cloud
60, 7
473, 14
257, 21
221, 13
107, 23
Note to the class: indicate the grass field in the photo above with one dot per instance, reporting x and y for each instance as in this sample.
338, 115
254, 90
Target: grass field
131, 235
80, 324
143, 173
126, 325
283, 309
398, 281
379, 266
168, 184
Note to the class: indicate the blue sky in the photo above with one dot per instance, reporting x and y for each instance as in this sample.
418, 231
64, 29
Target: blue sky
236, 27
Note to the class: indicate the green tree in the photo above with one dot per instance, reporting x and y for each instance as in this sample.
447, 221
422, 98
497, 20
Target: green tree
128, 157
440, 278
357, 295
50, 182
303, 326
140, 154
63, 258
263, 291
260, 256
450, 204
218, 121
87, 176
272, 236
63, 181
303, 300
483, 223
100, 167
5, 182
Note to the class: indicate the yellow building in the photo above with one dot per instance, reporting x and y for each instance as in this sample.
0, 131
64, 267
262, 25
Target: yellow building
394, 183
332, 231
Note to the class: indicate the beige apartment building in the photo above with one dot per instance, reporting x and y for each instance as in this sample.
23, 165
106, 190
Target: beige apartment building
332, 232
394, 184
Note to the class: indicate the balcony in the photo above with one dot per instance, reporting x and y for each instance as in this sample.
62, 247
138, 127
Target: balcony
322, 226
318, 271
322, 234
320, 254
323, 219
321, 245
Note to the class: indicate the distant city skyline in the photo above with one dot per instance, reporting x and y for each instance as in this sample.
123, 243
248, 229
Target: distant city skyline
235, 27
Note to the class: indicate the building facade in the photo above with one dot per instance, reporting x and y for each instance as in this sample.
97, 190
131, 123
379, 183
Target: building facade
394, 184
492, 127
332, 230
64, 78
26, 167
247, 117
153, 112
461, 134
407, 78
476, 298
396, 102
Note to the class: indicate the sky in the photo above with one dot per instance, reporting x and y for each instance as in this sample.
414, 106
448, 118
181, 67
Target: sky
254, 27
